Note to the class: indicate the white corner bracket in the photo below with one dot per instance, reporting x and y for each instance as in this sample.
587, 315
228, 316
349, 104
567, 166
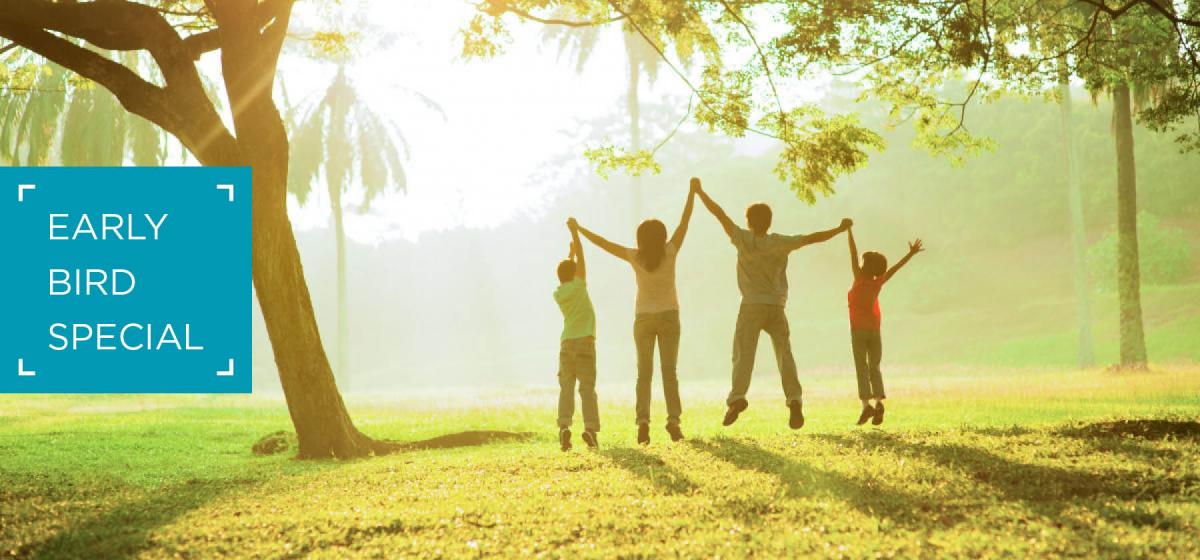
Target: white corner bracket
21, 372
22, 188
227, 188
226, 372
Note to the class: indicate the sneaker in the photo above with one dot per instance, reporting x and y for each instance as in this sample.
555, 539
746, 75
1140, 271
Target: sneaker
676, 433
867, 414
878, 419
589, 437
735, 408
564, 439
796, 420
644, 434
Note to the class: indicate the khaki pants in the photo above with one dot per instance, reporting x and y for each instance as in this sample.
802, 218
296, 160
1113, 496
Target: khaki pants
664, 328
754, 318
577, 363
868, 350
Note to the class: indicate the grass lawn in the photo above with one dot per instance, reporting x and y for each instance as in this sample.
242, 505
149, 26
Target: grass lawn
1004, 463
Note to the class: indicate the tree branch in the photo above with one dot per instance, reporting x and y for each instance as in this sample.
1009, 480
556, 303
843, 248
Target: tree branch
699, 94
203, 42
181, 107
1119, 11
555, 21
765, 65
136, 94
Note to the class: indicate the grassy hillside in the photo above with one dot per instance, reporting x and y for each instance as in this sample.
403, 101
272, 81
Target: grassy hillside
979, 463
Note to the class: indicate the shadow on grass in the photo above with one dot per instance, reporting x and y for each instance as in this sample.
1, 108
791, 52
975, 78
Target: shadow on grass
1044, 490
801, 479
1144, 429
124, 531
284, 441
464, 439
663, 476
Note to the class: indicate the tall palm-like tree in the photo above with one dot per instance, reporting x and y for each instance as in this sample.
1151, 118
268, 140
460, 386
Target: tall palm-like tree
352, 144
31, 107
1125, 67
1085, 354
641, 59
91, 127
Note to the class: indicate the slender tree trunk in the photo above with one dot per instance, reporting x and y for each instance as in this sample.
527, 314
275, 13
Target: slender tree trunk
1133, 338
633, 106
1083, 313
337, 175
339, 231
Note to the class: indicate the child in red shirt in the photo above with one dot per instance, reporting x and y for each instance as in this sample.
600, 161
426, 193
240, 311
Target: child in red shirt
865, 341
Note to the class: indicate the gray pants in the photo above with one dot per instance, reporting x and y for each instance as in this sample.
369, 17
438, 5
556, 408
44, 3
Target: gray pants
754, 318
647, 328
577, 363
868, 350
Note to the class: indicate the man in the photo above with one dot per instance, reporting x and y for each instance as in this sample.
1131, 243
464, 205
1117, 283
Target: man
762, 280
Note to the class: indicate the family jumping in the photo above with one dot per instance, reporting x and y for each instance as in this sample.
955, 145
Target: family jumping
762, 259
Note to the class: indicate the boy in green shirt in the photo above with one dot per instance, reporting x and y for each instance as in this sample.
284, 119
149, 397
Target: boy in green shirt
577, 353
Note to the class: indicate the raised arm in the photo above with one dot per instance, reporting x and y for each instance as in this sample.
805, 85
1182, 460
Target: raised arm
612, 248
577, 251
854, 264
914, 247
798, 241
726, 223
681, 230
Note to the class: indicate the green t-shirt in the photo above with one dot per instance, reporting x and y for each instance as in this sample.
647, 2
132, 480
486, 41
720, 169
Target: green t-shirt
579, 320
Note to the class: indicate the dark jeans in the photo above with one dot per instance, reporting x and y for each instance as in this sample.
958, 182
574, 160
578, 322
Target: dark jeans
664, 328
868, 350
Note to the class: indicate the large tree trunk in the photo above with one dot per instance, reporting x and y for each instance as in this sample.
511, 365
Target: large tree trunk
1133, 339
323, 427
250, 37
1085, 353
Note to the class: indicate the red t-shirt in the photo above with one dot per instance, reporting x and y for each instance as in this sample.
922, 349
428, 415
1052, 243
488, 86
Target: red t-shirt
864, 303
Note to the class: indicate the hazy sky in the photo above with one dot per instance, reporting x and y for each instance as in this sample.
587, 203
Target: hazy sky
504, 117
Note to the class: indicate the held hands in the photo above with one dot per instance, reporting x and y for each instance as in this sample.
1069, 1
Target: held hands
846, 224
694, 186
572, 224
915, 246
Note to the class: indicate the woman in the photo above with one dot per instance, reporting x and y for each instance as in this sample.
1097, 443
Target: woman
657, 310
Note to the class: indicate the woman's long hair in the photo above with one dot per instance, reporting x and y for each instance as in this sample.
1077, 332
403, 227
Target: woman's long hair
652, 244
